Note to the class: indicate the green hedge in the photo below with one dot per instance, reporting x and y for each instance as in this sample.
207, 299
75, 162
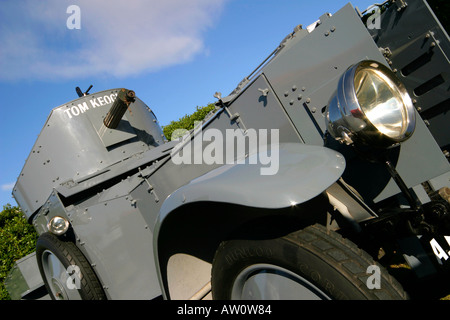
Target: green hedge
187, 122
17, 239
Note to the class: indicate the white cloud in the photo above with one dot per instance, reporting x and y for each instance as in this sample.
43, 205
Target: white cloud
7, 186
117, 38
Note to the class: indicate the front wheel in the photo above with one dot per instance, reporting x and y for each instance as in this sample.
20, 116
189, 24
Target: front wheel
310, 264
66, 273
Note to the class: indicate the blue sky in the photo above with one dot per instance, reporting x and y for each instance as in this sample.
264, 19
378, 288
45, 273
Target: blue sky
175, 54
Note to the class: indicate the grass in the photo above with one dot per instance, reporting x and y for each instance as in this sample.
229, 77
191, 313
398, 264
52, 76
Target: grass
421, 289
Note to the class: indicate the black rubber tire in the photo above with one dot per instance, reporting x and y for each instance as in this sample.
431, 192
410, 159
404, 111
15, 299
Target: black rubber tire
333, 264
68, 254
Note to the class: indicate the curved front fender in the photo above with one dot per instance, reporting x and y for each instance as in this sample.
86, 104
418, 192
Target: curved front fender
303, 172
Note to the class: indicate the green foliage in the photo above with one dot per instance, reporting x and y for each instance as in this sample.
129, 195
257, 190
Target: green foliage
187, 122
17, 239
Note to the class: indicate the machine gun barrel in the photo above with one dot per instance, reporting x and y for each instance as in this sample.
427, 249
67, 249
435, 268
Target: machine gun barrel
120, 105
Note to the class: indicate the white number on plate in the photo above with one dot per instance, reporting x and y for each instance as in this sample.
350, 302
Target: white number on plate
437, 249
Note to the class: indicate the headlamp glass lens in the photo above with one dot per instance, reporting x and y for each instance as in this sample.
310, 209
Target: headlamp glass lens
58, 225
381, 102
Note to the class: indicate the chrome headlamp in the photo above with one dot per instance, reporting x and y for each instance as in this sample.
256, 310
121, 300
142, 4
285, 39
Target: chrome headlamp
58, 225
371, 107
